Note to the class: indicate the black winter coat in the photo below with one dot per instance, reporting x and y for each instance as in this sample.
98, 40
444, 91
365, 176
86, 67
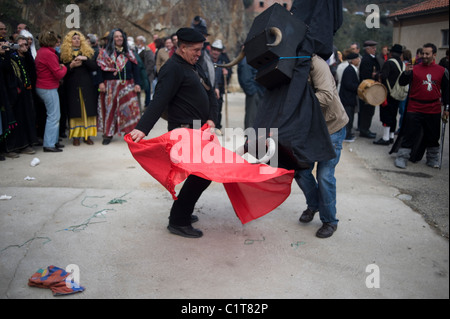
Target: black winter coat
369, 65
80, 78
349, 87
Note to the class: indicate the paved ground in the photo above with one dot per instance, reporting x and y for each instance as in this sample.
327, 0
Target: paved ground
422, 188
124, 250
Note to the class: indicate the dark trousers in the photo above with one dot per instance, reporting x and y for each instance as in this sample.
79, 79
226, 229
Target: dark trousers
350, 110
366, 112
183, 207
388, 113
417, 124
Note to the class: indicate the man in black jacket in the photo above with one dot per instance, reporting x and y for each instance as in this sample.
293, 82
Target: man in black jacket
349, 92
390, 73
369, 69
184, 91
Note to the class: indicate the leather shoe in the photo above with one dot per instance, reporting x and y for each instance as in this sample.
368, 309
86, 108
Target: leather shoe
106, 140
326, 230
76, 142
89, 141
12, 155
307, 215
194, 219
381, 142
367, 134
185, 231
57, 145
52, 150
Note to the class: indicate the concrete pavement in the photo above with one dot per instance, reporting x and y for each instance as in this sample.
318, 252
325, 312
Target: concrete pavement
66, 216
424, 189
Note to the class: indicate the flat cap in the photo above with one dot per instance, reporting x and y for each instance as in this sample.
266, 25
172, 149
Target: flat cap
370, 43
190, 35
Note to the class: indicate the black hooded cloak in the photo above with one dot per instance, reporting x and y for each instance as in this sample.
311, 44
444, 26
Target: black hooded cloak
293, 108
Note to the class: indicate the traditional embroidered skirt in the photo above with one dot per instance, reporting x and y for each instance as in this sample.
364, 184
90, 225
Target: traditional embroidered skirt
83, 126
118, 108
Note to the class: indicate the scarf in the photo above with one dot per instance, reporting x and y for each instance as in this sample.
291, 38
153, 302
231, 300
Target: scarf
116, 62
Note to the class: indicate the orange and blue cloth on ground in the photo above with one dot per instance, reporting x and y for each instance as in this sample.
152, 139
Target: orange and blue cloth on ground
54, 278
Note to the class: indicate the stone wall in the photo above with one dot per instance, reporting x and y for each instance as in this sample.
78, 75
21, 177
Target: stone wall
226, 19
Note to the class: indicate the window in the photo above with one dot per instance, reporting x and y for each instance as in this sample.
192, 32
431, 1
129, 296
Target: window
261, 4
444, 38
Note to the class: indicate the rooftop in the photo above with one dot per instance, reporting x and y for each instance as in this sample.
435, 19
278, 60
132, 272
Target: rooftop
424, 7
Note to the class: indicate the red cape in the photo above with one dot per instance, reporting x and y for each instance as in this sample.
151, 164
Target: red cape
254, 189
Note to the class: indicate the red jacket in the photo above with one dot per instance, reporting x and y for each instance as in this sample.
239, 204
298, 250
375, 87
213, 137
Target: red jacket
49, 72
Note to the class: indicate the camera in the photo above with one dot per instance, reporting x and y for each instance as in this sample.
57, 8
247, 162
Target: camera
11, 47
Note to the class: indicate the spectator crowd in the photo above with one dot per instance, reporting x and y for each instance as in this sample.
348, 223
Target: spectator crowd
79, 85
75, 86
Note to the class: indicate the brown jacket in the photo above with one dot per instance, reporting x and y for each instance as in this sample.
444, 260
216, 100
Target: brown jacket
324, 86
161, 58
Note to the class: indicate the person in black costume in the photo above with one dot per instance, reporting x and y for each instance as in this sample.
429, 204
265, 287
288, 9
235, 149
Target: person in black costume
293, 108
390, 72
23, 137
8, 122
184, 91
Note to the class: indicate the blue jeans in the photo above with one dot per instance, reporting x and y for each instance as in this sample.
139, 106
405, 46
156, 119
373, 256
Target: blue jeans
51, 101
321, 193
401, 111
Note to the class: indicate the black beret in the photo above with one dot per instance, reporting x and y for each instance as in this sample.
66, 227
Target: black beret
190, 35
352, 56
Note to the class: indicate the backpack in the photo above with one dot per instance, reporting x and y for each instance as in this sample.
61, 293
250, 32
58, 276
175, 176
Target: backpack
398, 92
